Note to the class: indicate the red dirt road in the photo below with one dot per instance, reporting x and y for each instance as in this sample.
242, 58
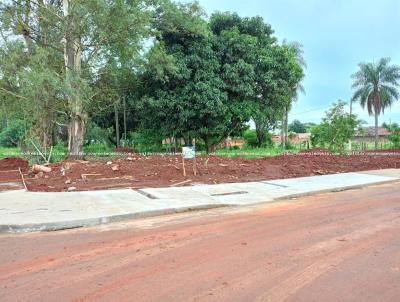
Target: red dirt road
331, 247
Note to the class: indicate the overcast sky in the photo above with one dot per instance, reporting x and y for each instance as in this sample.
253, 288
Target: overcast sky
336, 35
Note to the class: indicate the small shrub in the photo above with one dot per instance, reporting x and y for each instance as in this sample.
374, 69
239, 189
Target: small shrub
13, 134
250, 136
394, 136
101, 150
96, 135
60, 152
147, 141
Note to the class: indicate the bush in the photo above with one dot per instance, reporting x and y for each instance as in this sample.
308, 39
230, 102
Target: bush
147, 141
250, 136
98, 150
96, 135
13, 134
297, 127
335, 130
60, 152
394, 136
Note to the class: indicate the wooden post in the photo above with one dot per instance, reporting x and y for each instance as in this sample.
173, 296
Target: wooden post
183, 165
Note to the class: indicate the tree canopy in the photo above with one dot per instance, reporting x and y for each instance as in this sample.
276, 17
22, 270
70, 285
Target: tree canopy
173, 71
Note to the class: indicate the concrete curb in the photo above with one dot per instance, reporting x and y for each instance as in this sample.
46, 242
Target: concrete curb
345, 188
79, 223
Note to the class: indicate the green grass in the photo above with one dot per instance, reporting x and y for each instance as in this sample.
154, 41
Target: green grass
247, 152
9, 152
101, 151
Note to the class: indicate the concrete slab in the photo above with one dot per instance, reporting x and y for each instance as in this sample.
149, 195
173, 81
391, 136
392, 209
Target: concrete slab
32, 211
22, 211
330, 182
384, 172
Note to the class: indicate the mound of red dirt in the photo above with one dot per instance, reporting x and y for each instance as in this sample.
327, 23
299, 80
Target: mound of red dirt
13, 163
163, 171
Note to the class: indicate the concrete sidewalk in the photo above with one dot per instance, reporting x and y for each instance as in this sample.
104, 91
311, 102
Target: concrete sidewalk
22, 211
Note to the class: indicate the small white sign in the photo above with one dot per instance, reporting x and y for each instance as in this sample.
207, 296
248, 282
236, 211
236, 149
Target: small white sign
188, 152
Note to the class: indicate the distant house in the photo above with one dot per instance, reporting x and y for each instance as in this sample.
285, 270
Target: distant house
367, 135
231, 142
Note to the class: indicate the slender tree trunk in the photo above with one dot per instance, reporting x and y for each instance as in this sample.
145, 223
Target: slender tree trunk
376, 130
5, 116
72, 59
260, 132
46, 132
286, 127
124, 119
282, 132
116, 123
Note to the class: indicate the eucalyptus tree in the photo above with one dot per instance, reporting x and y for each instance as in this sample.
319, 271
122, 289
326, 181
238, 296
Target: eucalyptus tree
376, 87
75, 39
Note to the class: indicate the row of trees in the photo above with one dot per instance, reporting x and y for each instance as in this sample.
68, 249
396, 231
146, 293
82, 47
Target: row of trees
167, 68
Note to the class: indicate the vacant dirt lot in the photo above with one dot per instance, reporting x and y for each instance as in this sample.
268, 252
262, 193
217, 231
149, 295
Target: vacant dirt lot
331, 247
159, 171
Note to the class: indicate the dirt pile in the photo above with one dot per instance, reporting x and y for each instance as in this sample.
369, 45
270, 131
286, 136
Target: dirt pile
136, 171
13, 163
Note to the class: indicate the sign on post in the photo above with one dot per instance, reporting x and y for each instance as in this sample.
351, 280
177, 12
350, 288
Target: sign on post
187, 153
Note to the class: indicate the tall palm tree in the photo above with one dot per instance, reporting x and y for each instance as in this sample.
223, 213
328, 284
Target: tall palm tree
376, 87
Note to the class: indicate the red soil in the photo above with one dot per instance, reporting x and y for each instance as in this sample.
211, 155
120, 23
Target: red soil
13, 163
10, 177
161, 171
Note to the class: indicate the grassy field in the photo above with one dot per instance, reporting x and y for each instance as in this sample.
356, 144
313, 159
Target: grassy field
253, 152
9, 152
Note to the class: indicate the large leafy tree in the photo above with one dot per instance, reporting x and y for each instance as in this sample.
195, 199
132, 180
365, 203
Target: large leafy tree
236, 47
274, 71
277, 74
376, 87
74, 39
205, 89
297, 127
182, 95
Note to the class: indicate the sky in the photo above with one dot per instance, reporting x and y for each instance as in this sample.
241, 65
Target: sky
336, 36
